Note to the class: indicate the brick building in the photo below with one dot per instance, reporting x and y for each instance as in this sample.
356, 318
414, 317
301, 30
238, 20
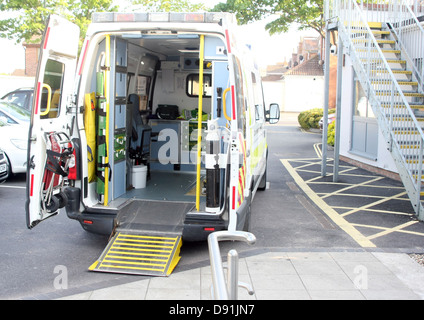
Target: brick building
32, 51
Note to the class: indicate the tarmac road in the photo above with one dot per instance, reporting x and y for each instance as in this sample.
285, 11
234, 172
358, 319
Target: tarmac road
283, 217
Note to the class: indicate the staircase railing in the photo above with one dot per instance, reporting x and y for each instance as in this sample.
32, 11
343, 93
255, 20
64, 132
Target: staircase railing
396, 119
410, 36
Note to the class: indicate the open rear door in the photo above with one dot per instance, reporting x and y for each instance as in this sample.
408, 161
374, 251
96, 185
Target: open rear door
49, 146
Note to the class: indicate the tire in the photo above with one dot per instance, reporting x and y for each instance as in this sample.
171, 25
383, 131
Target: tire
53, 205
246, 226
262, 184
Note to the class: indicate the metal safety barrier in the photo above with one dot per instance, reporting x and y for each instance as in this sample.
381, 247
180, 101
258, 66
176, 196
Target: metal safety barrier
222, 290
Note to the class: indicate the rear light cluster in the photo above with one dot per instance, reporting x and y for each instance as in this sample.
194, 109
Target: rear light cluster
159, 17
72, 175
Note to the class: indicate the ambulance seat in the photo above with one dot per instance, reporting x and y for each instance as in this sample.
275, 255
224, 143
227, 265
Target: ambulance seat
141, 135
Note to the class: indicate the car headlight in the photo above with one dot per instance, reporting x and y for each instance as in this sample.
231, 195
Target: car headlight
20, 144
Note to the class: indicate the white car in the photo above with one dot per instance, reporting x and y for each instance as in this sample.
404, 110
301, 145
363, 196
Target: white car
14, 137
4, 169
331, 118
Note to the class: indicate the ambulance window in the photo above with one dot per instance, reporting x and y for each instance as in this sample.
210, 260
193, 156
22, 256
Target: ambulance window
257, 95
240, 96
193, 85
52, 88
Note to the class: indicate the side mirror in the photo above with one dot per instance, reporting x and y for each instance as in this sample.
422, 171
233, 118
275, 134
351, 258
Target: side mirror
273, 114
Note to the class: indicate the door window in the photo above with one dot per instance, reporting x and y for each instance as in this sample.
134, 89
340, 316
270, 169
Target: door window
52, 89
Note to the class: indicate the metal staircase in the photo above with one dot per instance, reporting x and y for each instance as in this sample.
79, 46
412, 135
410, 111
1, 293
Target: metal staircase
385, 44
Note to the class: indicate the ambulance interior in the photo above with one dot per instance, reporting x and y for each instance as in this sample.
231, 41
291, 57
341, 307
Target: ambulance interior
152, 148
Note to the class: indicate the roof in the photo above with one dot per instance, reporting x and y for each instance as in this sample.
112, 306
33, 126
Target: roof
275, 72
311, 67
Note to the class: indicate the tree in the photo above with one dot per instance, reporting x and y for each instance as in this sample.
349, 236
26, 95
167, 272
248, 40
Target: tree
26, 18
305, 13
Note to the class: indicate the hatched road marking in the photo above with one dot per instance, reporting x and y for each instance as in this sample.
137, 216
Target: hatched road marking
358, 197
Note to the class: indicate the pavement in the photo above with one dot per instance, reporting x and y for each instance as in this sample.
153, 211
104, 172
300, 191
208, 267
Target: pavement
373, 270
285, 275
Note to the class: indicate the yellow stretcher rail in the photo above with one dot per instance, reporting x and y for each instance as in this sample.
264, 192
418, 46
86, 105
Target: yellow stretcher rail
199, 120
107, 74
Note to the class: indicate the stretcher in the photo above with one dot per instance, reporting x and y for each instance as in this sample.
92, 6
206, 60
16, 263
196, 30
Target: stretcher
59, 152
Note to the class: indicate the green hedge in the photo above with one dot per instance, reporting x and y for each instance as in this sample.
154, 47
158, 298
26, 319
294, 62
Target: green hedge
331, 133
310, 118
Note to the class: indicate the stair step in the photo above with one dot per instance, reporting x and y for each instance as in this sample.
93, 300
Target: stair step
405, 93
398, 106
379, 60
365, 49
379, 41
413, 161
400, 82
360, 25
396, 71
409, 146
405, 132
386, 32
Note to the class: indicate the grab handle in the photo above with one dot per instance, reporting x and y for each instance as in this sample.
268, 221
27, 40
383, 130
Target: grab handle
224, 102
49, 97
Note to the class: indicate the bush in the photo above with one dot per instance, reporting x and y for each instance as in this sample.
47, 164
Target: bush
310, 118
331, 133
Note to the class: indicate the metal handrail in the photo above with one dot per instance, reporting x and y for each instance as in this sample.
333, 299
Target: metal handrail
221, 289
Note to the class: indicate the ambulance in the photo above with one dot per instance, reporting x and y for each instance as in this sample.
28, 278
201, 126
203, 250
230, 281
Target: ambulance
156, 134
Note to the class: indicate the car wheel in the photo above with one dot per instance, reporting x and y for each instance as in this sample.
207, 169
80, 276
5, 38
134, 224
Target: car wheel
9, 166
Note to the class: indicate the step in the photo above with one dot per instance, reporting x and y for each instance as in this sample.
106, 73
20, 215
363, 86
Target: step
400, 82
365, 49
379, 41
381, 32
360, 25
405, 132
395, 71
399, 106
410, 161
405, 93
379, 60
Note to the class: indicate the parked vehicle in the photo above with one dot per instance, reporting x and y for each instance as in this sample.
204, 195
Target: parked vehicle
21, 97
331, 118
159, 135
14, 126
4, 167
14, 114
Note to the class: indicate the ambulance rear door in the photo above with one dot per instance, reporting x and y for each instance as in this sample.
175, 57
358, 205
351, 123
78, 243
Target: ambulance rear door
52, 122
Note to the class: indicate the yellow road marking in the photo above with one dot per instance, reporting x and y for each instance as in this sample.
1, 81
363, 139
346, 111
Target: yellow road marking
396, 196
330, 212
390, 230
349, 228
374, 210
318, 150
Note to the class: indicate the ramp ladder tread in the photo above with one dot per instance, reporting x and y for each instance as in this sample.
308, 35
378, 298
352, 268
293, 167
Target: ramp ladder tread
140, 254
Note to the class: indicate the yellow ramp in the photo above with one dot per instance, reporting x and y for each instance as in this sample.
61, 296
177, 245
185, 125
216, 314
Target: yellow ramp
141, 254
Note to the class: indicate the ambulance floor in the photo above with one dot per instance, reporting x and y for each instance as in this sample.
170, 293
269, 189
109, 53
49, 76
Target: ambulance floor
168, 186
